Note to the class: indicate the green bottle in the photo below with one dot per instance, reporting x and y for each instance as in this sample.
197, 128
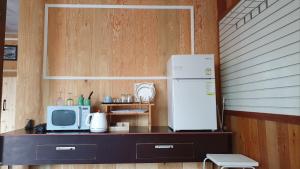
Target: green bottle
80, 100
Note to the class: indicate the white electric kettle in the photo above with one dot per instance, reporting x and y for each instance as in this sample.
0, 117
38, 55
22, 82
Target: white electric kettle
97, 122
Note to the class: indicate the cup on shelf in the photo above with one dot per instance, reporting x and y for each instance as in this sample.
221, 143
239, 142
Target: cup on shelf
107, 99
129, 98
124, 98
117, 100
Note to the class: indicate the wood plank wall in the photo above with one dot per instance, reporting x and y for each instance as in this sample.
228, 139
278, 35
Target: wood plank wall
30, 50
80, 45
172, 28
224, 6
33, 92
115, 42
274, 144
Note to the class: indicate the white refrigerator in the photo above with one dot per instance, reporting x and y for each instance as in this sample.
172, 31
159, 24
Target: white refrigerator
191, 92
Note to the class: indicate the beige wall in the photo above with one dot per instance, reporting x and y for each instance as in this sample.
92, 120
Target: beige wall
34, 93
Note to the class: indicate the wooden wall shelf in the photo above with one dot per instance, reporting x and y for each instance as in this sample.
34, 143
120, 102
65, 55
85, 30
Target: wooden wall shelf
129, 113
108, 108
127, 104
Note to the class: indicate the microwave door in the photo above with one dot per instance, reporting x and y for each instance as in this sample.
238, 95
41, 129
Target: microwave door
61, 118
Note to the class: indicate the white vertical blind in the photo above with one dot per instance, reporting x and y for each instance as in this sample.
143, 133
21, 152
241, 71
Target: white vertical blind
260, 57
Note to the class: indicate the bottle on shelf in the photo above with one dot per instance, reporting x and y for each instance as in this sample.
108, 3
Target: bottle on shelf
80, 100
123, 98
69, 101
59, 101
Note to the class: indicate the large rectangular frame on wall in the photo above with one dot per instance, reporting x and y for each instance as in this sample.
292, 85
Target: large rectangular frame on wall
133, 7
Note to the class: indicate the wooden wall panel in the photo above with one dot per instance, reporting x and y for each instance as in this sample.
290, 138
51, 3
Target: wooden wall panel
124, 2
11, 42
275, 145
109, 45
125, 43
104, 88
34, 93
90, 42
206, 35
10, 65
30, 52
224, 6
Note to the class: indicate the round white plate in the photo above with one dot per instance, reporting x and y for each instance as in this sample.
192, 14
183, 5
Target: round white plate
145, 92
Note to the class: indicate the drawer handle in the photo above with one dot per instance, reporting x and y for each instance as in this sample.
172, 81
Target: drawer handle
65, 148
164, 146
4, 105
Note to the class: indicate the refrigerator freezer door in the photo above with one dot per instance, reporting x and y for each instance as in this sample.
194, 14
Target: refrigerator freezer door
194, 104
191, 66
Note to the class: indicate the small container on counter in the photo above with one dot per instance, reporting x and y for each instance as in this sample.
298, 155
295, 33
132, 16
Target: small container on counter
129, 98
124, 98
70, 101
87, 102
80, 100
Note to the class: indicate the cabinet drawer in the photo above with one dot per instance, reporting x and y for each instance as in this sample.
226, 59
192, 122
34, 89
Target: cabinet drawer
165, 151
66, 152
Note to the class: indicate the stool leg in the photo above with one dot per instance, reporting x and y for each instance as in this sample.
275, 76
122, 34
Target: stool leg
203, 163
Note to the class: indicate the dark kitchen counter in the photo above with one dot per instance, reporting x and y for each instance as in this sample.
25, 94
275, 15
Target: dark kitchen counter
132, 131
139, 145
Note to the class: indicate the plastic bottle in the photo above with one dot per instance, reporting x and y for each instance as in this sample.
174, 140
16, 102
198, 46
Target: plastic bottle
80, 100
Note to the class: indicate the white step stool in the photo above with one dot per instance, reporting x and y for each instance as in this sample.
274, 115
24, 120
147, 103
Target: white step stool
231, 161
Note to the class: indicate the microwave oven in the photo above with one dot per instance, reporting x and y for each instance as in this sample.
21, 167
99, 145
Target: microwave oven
67, 117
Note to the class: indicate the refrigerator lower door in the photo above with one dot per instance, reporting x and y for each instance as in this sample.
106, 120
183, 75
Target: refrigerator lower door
194, 104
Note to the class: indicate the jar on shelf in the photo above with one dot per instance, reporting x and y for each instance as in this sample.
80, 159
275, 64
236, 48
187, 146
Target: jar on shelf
124, 98
69, 101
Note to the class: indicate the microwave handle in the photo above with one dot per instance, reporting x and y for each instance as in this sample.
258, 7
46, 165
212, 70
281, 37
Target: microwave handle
78, 118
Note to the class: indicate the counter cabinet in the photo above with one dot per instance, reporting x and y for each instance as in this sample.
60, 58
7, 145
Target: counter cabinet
138, 146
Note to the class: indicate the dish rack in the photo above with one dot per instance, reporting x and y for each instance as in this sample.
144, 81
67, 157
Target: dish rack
130, 109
